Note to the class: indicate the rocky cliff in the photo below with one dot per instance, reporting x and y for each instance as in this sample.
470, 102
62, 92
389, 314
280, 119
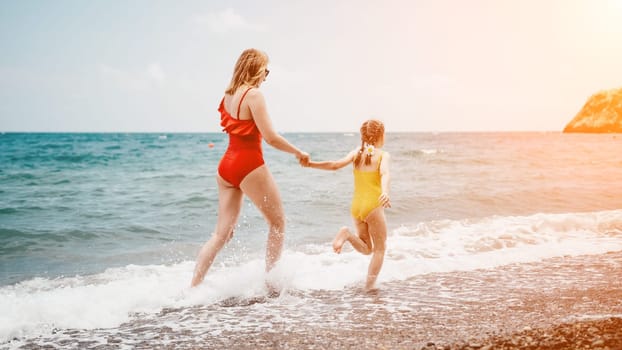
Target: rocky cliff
601, 113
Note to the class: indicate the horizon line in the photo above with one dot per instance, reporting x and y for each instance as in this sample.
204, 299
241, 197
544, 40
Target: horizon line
281, 132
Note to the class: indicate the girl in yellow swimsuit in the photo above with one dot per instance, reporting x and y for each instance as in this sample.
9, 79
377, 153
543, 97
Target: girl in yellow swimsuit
371, 196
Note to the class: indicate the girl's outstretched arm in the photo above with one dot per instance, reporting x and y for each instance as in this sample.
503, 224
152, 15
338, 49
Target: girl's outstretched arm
385, 178
333, 164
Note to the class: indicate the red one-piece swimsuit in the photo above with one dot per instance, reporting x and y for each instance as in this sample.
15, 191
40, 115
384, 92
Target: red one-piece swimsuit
244, 153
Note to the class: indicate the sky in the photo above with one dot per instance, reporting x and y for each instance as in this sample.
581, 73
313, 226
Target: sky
419, 65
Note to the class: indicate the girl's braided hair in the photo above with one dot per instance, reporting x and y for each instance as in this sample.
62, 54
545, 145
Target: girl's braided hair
371, 132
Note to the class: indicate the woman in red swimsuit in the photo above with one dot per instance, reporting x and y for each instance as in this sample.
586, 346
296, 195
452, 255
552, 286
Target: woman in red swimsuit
243, 115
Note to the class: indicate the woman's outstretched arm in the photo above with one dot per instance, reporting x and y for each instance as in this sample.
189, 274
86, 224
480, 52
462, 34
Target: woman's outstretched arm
257, 104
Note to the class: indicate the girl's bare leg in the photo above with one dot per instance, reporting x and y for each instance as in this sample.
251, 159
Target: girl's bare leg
340, 239
378, 232
362, 229
229, 205
260, 187
344, 234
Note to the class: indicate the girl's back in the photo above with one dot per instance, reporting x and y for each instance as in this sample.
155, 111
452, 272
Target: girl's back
374, 163
367, 185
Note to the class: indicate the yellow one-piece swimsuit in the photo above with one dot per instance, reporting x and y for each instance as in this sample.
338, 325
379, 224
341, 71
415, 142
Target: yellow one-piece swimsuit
367, 189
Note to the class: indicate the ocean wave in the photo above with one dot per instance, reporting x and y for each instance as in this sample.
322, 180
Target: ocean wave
19, 209
61, 160
7, 234
415, 153
62, 182
515, 230
152, 146
87, 158
7, 211
39, 305
16, 242
178, 176
193, 201
142, 229
18, 176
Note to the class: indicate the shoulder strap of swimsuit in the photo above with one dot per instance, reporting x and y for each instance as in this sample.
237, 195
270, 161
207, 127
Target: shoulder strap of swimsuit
380, 159
242, 99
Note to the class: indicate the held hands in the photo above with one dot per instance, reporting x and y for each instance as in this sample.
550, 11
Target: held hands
303, 158
384, 200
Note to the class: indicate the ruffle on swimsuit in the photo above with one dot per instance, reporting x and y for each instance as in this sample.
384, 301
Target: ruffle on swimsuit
239, 127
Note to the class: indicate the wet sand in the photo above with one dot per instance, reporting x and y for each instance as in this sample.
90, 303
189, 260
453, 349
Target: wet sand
596, 334
561, 303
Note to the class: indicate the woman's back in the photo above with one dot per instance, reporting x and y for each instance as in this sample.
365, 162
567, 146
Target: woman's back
237, 104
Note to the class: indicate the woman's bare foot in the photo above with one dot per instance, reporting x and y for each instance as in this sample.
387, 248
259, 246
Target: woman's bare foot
273, 291
340, 239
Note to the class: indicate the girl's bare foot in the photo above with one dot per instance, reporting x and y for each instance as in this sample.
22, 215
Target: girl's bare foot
340, 239
370, 283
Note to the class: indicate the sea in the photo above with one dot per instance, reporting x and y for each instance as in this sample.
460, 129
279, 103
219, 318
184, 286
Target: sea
99, 233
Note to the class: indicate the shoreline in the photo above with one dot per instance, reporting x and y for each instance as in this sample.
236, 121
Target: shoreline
597, 334
559, 303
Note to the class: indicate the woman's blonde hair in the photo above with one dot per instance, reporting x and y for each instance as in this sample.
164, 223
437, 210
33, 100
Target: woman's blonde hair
371, 132
248, 70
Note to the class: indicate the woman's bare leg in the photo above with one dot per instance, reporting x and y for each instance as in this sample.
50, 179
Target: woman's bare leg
260, 187
378, 231
229, 205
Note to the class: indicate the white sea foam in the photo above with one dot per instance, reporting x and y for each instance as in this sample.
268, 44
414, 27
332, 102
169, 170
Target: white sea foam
110, 298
